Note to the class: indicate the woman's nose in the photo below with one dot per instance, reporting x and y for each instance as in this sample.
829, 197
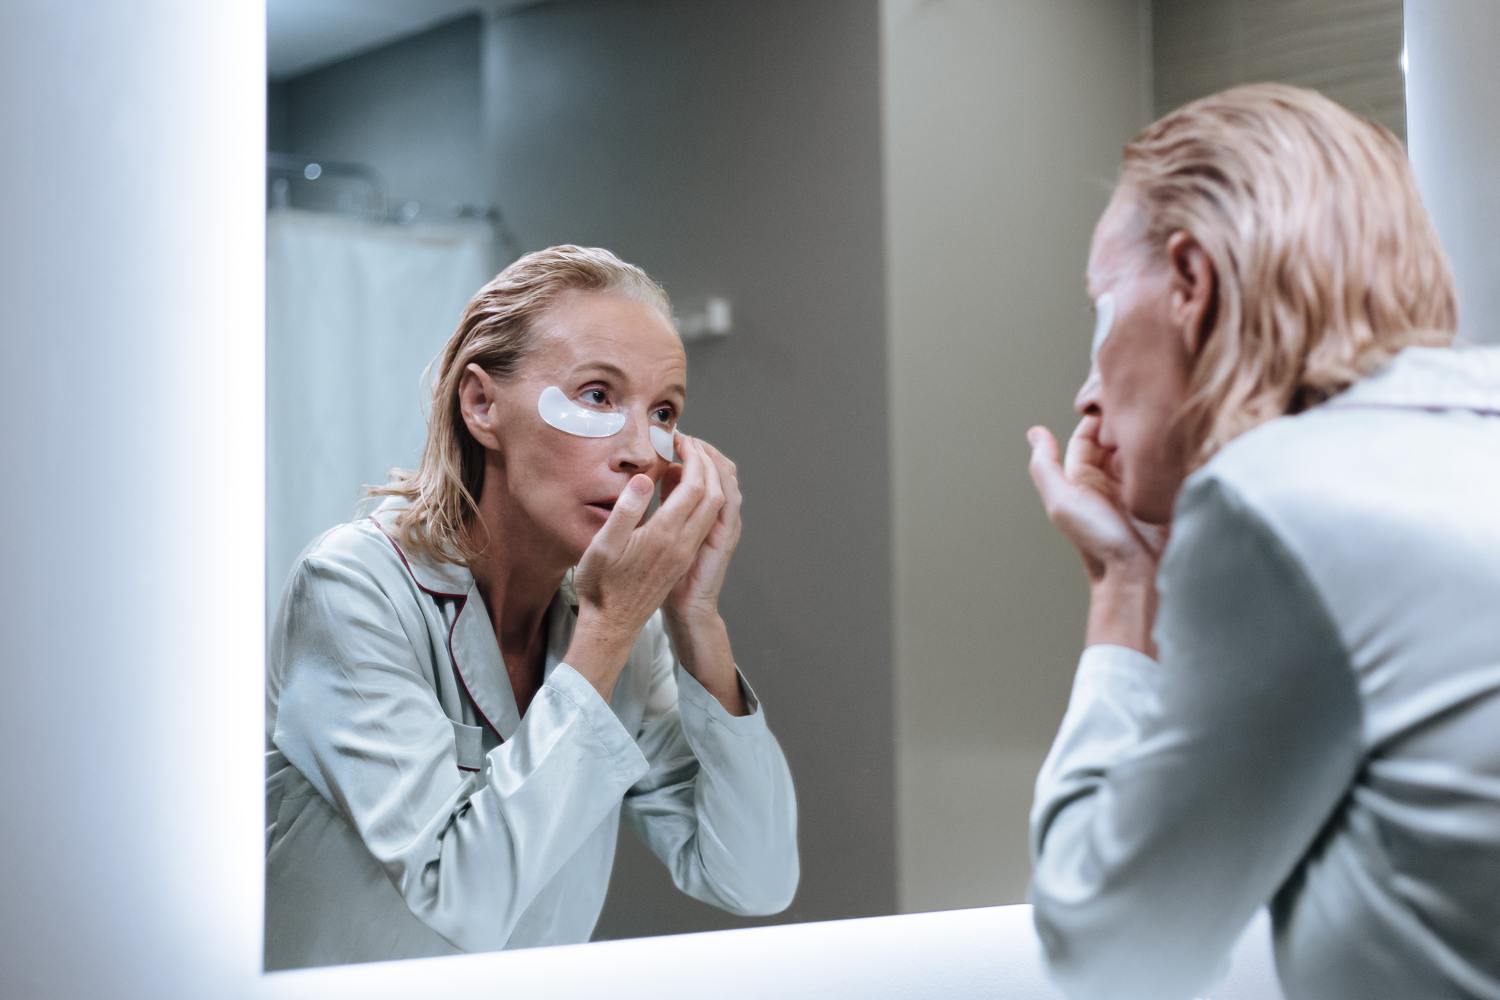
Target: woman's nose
1087, 400
633, 450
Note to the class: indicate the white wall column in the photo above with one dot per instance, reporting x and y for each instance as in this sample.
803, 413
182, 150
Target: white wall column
1453, 132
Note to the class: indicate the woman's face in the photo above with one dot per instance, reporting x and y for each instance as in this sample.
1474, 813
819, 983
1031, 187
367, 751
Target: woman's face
606, 352
1138, 380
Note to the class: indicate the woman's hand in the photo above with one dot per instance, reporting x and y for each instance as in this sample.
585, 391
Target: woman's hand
1082, 498
629, 568
691, 614
695, 598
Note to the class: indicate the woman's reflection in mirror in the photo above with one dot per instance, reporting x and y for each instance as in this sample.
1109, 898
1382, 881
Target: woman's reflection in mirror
1295, 702
469, 688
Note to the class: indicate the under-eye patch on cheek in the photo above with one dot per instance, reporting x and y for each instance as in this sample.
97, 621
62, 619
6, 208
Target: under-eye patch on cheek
559, 411
1104, 321
661, 440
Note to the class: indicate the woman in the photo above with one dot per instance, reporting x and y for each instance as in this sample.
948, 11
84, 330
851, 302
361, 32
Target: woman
457, 719
1297, 702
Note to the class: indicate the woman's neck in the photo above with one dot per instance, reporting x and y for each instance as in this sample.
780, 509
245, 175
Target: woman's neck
516, 575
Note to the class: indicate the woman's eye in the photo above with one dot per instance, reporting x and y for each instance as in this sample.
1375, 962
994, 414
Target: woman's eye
598, 397
665, 414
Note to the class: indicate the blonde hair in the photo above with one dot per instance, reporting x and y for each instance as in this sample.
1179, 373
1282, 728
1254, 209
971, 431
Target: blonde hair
1327, 263
496, 332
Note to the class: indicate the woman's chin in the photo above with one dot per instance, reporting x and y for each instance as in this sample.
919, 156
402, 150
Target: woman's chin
578, 543
1150, 502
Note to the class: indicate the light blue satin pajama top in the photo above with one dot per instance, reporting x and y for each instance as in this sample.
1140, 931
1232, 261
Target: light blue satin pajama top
1322, 730
411, 810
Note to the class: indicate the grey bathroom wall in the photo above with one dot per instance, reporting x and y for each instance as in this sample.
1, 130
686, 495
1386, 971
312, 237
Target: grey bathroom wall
410, 110
1453, 96
1347, 49
733, 149
278, 127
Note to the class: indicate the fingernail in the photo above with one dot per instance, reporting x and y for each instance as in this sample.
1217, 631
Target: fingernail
640, 486
1031, 437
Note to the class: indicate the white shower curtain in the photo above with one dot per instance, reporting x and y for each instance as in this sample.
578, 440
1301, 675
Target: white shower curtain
355, 310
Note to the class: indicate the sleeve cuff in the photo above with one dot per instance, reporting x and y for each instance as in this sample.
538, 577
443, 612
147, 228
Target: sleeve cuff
701, 711
1115, 695
607, 736
1127, 674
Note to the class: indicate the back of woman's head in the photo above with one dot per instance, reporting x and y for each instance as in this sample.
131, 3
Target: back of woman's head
1326, 262
496, 332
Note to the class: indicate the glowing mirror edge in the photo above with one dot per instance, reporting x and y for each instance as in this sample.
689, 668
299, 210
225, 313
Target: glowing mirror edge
178, 908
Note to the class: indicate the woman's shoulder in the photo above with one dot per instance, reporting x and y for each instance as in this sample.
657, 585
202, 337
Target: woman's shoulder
359, 546
358, 560
1343, 490
1310, 470
1369, 440
374, 553
1280, 490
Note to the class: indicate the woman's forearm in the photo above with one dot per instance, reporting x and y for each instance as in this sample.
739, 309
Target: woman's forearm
598, 652
1122, 608
703, 647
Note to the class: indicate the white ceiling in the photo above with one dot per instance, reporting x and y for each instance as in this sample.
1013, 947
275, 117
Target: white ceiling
302, 35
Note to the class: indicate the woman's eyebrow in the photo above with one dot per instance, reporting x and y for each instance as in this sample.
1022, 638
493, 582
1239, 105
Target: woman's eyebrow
612, 371
618, 374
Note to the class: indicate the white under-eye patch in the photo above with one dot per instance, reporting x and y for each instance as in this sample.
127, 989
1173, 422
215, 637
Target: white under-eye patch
661, 440
1104, 322
558, 411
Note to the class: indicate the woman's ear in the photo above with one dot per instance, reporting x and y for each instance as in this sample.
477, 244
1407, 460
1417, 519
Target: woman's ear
1193, 296
479, 404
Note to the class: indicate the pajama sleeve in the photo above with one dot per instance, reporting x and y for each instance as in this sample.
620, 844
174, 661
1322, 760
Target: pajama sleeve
717, 805
1179, 795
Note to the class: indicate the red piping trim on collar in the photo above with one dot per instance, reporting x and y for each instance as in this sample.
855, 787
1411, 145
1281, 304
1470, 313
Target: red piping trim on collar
395, 545
463, 601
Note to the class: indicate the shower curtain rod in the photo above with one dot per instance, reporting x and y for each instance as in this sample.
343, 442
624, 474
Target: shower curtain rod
379, 202
311, 169
292, 163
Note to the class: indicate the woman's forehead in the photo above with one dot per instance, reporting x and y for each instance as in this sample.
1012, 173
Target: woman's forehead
1118, 237
642, 357
1107, 253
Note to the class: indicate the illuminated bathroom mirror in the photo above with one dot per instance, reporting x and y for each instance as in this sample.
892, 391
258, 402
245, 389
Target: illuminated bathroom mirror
891, 202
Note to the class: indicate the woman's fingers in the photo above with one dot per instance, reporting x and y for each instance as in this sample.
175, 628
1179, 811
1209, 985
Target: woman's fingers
630, 568
1046, 472
729, 475
670, 479
1083, 446
697, 495
1064, 498
1082, 505
687, 488
635, 569
728, 472
701, 520
626, 516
